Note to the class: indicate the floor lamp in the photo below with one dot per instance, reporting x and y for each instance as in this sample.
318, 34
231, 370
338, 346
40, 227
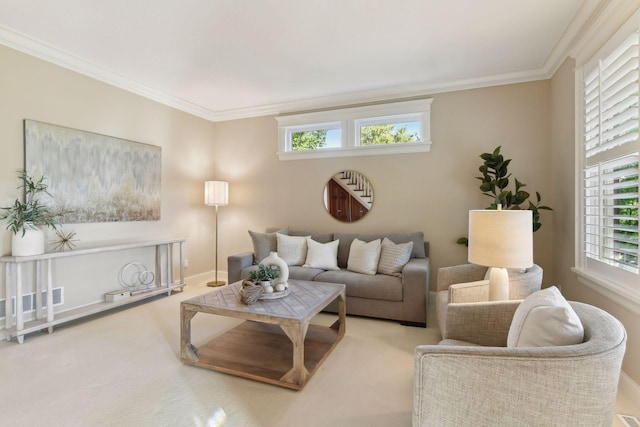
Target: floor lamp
500, 239
216, 193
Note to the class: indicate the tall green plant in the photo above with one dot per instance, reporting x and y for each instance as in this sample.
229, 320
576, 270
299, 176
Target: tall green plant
495, 184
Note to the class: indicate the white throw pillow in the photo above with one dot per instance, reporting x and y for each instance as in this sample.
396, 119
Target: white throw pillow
393, 257
363, 256
545, 318
322, 255
292, 249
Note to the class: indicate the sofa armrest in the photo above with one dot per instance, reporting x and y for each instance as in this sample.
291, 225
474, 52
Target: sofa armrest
235, 264
464, 273
482, 323
415, 288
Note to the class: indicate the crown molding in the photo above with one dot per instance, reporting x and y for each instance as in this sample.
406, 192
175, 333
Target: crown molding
386, 94
31, 46
593, 13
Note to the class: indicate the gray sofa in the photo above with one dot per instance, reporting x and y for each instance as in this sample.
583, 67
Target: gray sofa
382, 296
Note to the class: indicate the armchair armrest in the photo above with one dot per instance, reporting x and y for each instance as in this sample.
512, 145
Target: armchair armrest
469, 292
235, 264
482, 323
464, 273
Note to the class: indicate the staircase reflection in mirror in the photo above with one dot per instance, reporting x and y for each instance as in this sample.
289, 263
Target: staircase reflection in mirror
348, 196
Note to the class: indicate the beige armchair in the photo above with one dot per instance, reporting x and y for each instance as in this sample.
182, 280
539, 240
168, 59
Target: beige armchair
490, 385
462, 284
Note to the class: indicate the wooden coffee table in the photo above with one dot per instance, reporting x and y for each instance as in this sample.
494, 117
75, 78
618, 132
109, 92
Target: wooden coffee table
276, 344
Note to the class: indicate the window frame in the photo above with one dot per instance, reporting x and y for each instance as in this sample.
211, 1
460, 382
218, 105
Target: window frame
614, 282
350, 120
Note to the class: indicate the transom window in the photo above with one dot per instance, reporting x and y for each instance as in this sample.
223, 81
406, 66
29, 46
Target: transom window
401, 127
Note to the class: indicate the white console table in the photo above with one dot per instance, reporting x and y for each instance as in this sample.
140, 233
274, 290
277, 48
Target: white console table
164, 283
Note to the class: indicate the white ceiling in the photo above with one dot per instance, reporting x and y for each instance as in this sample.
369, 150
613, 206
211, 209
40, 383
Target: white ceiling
222, 59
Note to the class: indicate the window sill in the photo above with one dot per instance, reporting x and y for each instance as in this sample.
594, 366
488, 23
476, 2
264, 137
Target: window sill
615, 292
371, 150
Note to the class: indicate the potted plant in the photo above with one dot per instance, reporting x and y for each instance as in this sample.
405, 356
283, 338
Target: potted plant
495, 183
265, 274
24, 218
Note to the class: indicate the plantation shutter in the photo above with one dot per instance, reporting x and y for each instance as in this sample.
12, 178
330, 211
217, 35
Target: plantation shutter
611, 124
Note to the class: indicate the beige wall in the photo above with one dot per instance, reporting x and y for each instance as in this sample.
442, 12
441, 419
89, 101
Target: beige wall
430, 192
38, 90
563, 190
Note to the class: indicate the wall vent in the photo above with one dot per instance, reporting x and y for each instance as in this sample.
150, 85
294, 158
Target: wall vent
29, 302
629, 420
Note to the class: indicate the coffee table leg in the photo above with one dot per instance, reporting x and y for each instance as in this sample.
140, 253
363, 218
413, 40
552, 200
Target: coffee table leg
187, 350
340, 324
299, 373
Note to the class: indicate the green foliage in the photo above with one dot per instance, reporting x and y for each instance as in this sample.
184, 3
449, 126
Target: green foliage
309, 140
495, 183
264, 272
385, 134
31, 210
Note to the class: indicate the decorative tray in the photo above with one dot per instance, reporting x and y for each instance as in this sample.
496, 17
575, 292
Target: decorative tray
275, 294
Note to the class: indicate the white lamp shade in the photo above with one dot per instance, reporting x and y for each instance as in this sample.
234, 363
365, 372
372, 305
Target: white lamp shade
501, 238
216, 193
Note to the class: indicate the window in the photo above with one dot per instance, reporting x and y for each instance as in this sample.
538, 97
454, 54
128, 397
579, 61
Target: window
609, 147
401, 127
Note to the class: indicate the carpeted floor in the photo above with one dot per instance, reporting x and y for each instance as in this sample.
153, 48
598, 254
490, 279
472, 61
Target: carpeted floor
123, 369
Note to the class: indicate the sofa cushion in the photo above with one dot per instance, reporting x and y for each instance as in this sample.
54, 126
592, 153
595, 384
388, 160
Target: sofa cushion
292, 249
393, 256
379, 286
263, 243
303, 273
346, 238
364, 257
322, 255
545, 318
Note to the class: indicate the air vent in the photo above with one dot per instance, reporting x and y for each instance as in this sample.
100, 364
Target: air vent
29, 302
629, 420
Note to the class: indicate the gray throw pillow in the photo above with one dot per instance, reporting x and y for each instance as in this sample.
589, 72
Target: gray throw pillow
393, 257
263, 243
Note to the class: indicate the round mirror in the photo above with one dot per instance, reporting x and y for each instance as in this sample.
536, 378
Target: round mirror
348, 196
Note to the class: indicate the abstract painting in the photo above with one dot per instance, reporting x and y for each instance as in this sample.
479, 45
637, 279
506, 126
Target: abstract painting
93, 177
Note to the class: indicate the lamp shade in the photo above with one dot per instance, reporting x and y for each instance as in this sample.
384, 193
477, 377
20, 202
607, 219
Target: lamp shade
216, 193
500, 238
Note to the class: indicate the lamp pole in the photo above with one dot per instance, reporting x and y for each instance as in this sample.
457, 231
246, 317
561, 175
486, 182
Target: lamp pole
216, 193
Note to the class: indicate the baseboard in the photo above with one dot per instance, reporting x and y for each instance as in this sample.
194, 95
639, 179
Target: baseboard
203, 278
629, 388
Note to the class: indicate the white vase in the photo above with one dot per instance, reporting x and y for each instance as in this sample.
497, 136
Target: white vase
32, 243
274, 259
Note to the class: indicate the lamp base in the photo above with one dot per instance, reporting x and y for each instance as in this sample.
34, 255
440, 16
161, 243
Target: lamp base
498, 284
216, 283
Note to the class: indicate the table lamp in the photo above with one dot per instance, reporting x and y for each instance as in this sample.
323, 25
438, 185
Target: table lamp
216, 193
500, 239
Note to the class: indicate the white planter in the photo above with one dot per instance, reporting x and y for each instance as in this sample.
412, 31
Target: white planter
32, 243
274, 259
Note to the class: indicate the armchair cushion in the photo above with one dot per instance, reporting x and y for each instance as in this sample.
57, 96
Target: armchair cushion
545, 318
